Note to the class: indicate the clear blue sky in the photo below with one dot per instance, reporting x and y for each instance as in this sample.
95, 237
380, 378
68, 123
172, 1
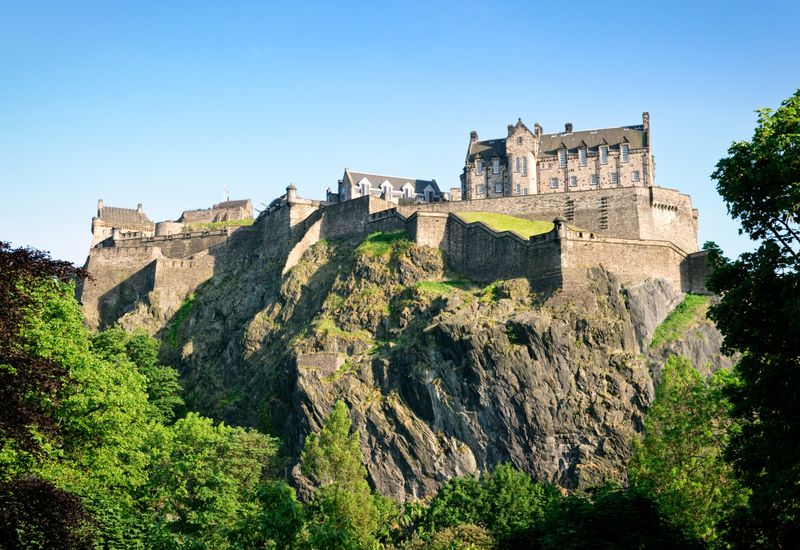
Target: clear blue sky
166, 103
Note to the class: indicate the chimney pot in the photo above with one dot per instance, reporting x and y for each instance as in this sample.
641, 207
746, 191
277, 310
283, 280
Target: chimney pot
473, 136
537, 129
568, 127
139, 208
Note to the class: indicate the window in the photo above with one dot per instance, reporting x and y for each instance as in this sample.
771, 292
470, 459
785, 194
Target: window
553, 183
364, 188
573, 181
594, 180
524, 190
516, 165
614, 178
636, 175
498, 187
582, 155
479, 166
524, 166
517, 191
562, 158
624, 152
495, 166
603, 154
481, 189
519, 140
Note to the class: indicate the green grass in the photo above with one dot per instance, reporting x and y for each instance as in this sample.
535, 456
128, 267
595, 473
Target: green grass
691, 309
178, 318
502, 222
211, 226
442, 287
325, 325
380, 243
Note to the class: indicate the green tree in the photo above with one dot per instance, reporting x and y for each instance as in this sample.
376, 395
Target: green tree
201, 476
759, 316
344, 513
161, 381
608, 517
504, 500
680, 462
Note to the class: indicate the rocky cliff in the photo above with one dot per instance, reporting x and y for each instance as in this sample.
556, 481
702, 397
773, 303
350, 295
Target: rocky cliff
444, 376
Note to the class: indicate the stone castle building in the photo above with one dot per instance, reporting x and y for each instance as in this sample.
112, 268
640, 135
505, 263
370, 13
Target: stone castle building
390, 188
595, 186
529, 162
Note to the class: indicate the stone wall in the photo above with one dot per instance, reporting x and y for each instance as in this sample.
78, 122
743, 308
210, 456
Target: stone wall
650, 213
695, 271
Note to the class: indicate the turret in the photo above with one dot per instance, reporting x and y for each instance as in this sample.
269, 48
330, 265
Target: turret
291, 193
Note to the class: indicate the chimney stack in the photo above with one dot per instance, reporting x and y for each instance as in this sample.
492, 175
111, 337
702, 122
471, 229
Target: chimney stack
537, 129
99, 206
473, 136
568, 128
139, 208
510, 128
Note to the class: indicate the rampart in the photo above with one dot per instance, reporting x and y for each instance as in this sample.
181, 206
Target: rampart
637, 233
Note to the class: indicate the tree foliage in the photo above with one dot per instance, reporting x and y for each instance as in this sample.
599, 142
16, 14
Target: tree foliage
344, 513
759, 316
680, 462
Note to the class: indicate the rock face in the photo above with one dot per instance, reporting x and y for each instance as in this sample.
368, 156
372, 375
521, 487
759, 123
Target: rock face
444, 377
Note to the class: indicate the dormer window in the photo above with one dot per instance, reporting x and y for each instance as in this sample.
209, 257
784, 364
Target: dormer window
562, 158
495, 166
516, 165
364, 188
582, 155
624, 152
604, 154
479, 166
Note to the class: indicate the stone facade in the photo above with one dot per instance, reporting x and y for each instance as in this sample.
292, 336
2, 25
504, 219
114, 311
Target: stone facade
529, 162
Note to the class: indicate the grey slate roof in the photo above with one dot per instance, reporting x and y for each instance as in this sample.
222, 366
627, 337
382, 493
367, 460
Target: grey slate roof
550, 143
126, 216
376, 180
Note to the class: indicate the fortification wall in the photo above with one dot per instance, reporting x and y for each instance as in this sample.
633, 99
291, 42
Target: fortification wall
628, 213
119, 276
351, 218
695, 271
633, 261
180, 245
182, 276
427, 228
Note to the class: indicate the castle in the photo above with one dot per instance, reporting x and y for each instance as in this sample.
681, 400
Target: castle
596, 186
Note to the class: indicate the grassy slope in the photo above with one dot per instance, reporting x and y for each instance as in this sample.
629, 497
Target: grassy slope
692, 309
502, 222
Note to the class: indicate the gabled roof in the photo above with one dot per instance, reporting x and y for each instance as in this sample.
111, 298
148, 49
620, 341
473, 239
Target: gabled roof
487, 149
633, 135
353, 178
126, 216
550, 143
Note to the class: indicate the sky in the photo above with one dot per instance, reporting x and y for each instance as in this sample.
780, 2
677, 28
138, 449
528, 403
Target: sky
169, 103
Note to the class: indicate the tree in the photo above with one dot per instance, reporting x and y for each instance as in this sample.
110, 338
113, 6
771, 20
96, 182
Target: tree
759, 316
33, 511
504, 501
680, 462
200, 480
344, 512
140, 349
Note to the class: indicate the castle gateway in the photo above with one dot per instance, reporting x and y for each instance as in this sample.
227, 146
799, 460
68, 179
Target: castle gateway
529, 162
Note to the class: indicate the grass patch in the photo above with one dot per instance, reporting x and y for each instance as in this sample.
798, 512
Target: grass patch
380, 243
439, 288
490, 293
503, 222
326, 326
692, 308
211, 226
179, 317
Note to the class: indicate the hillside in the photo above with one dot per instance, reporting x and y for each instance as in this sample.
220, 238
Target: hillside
444, 376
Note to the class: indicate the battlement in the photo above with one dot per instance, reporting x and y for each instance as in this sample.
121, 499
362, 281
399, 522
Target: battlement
635, 232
